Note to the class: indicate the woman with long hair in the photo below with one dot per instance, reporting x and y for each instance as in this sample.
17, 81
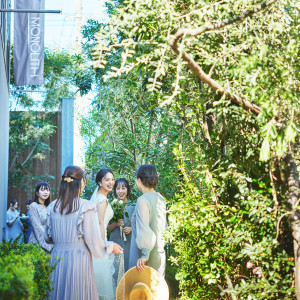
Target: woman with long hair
38, 215
104, 268
148, 223
73, 229
121, 232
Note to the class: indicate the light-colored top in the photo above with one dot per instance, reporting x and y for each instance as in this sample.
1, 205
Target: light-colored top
78, 225
38, 218
109, 213
148, 223
16, 228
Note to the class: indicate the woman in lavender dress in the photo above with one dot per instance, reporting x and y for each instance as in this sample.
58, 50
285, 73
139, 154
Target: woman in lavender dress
73, 229
14, 226
38, 215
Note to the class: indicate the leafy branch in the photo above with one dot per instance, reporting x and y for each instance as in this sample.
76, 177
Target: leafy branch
198, 70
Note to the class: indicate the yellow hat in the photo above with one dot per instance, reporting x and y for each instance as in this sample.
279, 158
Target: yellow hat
145, 285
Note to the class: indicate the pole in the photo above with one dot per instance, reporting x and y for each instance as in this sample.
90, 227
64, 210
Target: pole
41, 11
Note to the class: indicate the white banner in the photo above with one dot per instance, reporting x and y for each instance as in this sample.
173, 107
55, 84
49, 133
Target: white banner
29, 43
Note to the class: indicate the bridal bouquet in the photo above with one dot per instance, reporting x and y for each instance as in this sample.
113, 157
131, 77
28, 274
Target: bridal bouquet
118, 207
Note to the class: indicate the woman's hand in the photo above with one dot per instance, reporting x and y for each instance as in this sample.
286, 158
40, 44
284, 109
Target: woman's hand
120, 223
117, 248
140, 265
127, 230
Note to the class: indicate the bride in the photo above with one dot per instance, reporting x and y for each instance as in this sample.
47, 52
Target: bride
104, 268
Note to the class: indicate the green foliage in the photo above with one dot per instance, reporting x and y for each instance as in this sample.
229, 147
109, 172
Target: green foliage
26, 271
28, 131
219, 237
222, 165
16, 278
65, 74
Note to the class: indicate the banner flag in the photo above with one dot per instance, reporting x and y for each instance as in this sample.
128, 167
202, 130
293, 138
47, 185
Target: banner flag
29, 43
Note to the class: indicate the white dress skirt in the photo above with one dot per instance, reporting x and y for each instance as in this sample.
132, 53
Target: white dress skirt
104, 268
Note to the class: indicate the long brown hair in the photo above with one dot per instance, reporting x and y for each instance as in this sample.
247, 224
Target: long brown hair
70, 190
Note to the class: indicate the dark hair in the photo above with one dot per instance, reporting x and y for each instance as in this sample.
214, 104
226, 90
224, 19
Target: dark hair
70, 189
43, 186
148, 175
122, 182
101, 174
28, 202
13, 201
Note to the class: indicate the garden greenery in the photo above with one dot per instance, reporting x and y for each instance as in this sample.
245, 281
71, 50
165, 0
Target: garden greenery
219, 79
25, 271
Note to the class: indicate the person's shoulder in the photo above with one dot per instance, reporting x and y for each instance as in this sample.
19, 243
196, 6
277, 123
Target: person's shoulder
160, 196
100, 198
86, 205
85, 202
33, 206
142, 199
51, 204
131, 205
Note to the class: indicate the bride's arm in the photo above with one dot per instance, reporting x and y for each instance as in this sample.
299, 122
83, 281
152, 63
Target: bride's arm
101, 208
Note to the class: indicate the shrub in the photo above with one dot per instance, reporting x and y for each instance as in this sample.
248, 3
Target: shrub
16, 277
32, 255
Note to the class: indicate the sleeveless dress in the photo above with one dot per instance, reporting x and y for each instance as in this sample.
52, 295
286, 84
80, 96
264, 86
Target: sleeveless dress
104, 268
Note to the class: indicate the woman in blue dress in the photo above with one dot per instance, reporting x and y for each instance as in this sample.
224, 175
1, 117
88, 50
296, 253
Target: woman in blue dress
14, 226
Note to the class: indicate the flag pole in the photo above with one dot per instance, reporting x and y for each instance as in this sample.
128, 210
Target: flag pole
40, 11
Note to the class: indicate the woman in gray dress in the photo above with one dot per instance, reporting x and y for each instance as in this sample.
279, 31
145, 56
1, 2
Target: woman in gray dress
14, 226
73, 229
121, 232
38, 215
148, 223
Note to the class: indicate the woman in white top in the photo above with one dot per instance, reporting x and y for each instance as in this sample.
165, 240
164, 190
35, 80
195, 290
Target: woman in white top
104, 268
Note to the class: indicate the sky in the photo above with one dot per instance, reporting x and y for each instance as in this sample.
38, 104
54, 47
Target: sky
60, 29
60, 33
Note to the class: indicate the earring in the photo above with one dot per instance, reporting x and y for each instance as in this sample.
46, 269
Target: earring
100, 184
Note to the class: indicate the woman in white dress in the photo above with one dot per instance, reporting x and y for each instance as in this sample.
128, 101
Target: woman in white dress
104, 268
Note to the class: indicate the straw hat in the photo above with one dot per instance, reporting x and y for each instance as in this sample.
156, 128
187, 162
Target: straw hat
145, 285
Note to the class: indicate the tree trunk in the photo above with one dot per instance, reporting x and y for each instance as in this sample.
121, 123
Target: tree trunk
150, 136
293, 192
134, 151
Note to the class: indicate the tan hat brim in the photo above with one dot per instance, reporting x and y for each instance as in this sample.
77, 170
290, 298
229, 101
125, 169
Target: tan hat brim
149, 276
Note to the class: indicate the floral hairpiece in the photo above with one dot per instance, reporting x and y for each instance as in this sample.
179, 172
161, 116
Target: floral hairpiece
68, 179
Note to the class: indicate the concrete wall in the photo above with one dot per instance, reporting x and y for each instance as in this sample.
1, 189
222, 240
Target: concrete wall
67, 133
4, 139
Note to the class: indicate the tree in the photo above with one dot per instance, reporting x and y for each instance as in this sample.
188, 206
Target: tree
233, 81
65, 74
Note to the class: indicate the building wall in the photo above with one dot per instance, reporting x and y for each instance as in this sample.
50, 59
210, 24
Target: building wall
4, 117
50, 165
